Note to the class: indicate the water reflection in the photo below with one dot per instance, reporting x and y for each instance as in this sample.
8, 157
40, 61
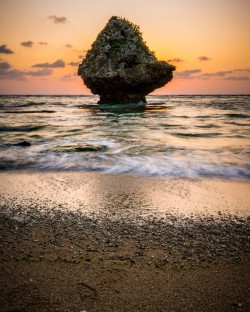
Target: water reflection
134, 108
122, 196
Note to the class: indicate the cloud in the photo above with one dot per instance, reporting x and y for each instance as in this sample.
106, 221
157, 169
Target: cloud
4, 66
242, 70
68, 46
175, 60
237, 78
27, 44
223, 74
9, 73
56, 64
187, 74
58, 19
190, 74
4, 49
204, 58
73, 63
12, 74
68, 77
80, 51
40, 72
81, 56
43, 43
217, 74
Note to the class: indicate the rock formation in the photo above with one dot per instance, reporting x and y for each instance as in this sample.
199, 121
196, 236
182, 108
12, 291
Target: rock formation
120, 68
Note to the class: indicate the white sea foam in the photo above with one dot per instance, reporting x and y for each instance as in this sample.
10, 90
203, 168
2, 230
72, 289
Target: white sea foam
169, 167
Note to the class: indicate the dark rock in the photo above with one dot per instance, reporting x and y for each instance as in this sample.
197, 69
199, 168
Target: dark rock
24, 144
120, 67
81, 149
90, 148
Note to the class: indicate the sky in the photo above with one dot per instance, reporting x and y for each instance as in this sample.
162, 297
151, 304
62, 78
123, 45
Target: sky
42, 42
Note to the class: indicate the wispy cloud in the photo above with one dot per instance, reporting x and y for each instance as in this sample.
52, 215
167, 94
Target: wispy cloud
56, 64
9, 73
69, 46
58, 19
40, 72
68, 77
217, 74
175, 60
43, 43
73, 63
5, 50
80, 51
204, 58
237, 78
12, 74
232, 75
247, 70
187, 74
4, 65
27, 44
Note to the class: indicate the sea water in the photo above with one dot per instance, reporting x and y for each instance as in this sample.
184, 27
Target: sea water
170, 136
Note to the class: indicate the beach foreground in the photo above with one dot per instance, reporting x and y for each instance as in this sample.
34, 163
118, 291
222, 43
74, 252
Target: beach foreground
77, 241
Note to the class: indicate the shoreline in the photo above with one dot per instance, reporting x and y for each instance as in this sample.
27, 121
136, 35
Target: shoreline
97, 193
130, 255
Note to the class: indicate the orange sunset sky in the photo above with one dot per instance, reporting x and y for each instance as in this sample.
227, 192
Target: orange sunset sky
41, 42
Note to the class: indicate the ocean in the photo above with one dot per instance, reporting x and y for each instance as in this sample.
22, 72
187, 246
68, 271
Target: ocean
171, 136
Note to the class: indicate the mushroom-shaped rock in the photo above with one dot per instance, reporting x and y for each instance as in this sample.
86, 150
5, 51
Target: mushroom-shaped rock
120, 68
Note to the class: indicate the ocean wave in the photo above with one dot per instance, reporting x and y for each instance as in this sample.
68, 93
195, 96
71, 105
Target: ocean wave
238, 124
209, 126
21, 128
151, 166
30, 112
171, 136
198, 135
170, 167
28, 104
80, 149
234, 115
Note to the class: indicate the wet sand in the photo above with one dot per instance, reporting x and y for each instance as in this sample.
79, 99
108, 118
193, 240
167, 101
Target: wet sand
75, 241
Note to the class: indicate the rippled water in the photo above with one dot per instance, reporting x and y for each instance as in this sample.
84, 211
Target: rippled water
171, 136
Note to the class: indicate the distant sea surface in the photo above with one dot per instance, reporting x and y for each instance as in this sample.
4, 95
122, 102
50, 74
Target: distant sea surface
171, 136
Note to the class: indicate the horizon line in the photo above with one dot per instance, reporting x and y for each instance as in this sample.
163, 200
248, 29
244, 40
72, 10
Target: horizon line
180, 94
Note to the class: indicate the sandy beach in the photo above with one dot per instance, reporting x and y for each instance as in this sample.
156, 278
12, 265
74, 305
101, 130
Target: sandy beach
78, 241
